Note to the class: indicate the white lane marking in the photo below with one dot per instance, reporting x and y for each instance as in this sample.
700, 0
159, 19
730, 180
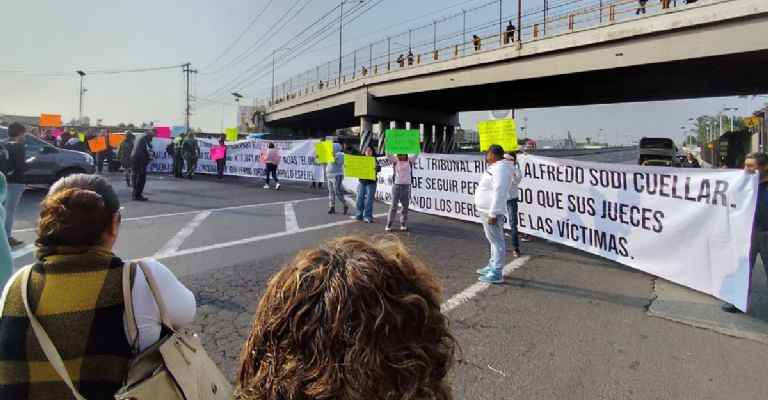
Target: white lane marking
205, 210
479, 287
255, 239
23, 251
182, 235
291, 225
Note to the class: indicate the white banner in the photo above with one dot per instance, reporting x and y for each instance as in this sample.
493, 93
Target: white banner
297, 159
689, 226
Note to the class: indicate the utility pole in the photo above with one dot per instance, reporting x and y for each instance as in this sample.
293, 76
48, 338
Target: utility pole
188, 70
82, 91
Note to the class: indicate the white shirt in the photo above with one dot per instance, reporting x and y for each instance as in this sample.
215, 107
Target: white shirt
493, 189
179, 301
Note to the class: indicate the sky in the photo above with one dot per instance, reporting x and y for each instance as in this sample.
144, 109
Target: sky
56, 38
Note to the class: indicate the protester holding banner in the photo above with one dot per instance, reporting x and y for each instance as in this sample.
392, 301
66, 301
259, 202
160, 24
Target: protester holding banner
402, 165
141, 157
366, 191
757, 162
335, 174
517, 176
270, 157
490, 200
103, 155
221, 162
124, 154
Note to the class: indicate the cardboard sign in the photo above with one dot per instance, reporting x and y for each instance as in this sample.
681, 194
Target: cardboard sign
163, 131
359, 167
324, 152
98, 144
115, 139
500, 131
218, 152
57, 133
403, 141
50, 120
231, 134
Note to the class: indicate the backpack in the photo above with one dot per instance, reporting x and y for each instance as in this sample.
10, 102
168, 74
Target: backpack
6, 167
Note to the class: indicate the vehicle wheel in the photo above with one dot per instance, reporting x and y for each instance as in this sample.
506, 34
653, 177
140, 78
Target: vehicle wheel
69, 171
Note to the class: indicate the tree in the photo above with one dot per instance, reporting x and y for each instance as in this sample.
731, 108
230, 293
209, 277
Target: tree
588, 139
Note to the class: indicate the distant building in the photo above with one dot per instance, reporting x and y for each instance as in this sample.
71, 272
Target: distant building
7, 119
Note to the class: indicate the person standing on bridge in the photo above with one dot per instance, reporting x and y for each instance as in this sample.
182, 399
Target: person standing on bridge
477, 42
757, 162
402, 167
509, 36
335, 174
491, 200
641, 7
401, 61
410, 57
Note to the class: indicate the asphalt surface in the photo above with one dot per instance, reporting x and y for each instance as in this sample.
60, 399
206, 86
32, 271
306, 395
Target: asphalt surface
565, 324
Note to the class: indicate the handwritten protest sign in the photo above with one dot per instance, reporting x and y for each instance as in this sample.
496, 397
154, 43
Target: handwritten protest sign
324, 152
81, 136
231, 134
163, 131
115, 139
218, 152
50, 120
403, 141
359, 167
98, 144
500, 131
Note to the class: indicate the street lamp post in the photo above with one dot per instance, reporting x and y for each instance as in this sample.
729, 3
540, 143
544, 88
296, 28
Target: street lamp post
80, 112
731, 109
341, 25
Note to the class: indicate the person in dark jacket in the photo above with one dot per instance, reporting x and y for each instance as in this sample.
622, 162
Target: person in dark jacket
141, 157
17, 158
691, 162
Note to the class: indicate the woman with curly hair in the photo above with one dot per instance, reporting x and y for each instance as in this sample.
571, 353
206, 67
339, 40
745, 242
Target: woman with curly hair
349, 320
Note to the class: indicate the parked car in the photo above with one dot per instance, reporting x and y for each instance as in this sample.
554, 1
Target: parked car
48, 163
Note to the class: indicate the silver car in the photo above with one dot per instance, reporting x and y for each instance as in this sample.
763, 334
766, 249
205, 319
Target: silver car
47, 163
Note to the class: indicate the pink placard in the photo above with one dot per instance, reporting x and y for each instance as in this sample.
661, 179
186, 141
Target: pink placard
57, 133
217, 153
163, 131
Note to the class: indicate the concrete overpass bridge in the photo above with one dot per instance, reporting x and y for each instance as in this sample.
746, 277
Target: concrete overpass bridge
708, 48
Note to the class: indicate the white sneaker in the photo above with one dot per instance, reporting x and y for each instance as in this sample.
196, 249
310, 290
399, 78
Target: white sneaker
403, 227
266, 186
277, 187
387, 228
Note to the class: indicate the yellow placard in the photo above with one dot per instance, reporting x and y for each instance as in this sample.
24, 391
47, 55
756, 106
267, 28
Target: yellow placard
324, 152
752, 121
500, 131
81, 136
231, 134
360, 167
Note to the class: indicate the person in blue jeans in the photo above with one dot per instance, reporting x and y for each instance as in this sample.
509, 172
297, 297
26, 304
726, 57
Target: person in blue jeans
517, 176
491, 201
335, 175
366, 192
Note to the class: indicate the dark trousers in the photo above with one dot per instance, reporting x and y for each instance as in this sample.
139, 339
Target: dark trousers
220, 164
100, 158
139, 179
178, 164
271, 169
191, 161
512, 215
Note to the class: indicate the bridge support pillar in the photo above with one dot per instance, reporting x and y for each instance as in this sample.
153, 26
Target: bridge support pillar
399, 124
428, 139
449, 143
384, 124
439, 139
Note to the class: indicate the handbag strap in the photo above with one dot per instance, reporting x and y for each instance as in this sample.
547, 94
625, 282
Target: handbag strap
130, 318
45, 342
164, 316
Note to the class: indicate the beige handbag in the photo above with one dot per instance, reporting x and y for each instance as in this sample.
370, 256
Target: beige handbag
176, 367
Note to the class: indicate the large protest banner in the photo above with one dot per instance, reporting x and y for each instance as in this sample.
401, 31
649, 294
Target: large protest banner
689, 226
297, 159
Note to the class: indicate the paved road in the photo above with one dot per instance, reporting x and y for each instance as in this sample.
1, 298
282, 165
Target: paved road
566, 325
